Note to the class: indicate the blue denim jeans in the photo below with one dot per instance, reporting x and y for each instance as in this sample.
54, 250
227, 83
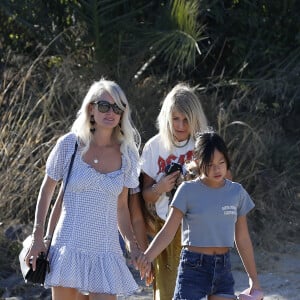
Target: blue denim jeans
200, 275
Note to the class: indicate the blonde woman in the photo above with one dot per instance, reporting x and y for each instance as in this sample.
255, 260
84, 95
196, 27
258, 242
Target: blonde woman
180, 118
85, 254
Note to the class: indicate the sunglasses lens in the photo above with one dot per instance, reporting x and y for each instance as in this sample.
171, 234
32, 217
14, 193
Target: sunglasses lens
117, 110
104, 107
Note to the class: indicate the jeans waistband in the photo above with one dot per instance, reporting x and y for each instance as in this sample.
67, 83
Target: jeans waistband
215, 258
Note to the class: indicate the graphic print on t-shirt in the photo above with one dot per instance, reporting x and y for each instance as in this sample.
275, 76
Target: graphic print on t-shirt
162, 163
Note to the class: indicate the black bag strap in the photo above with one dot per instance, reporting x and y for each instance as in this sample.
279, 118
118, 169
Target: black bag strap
70, 168
64, 189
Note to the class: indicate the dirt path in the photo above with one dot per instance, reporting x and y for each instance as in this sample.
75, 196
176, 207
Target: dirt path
279, 275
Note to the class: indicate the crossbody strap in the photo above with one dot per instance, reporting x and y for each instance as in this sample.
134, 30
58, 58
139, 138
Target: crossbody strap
70, 168
64, 189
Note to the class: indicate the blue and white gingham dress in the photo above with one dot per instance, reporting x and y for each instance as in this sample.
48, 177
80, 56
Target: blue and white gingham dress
85, 252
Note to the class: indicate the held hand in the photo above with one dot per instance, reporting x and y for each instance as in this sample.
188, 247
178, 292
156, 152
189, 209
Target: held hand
37, 247
149, 278
135, 252
146, 271
144, 266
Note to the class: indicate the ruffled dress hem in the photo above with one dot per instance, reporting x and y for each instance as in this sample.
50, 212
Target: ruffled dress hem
105, 273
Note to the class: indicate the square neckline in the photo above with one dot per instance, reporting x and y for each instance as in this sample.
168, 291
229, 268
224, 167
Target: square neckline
79, 152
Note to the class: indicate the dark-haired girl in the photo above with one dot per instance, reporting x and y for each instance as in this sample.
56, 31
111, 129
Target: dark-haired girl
213, 212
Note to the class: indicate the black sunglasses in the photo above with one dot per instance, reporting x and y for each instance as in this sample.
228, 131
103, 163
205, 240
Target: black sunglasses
104, 107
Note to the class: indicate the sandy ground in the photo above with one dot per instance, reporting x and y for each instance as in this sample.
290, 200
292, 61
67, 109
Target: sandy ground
279, 275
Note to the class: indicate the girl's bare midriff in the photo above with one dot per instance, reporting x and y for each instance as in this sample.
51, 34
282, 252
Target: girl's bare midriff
208, 250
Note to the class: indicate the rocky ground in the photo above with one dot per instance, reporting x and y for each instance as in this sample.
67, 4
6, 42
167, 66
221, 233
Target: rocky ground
279, 275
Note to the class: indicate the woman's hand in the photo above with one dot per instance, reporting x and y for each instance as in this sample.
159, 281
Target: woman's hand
37, 245
144, 265
36, 248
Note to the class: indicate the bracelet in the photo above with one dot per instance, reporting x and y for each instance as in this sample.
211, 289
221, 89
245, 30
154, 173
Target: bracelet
48, 237
155, 190
37, 225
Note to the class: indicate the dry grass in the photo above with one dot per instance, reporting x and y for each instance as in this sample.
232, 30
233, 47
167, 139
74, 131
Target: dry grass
38, 104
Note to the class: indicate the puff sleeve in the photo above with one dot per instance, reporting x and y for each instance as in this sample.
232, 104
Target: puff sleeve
58, 160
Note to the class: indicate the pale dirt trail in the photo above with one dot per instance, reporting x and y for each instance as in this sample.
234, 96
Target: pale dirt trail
279, 276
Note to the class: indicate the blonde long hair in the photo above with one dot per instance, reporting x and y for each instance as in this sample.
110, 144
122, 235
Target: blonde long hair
183, 99
126, 133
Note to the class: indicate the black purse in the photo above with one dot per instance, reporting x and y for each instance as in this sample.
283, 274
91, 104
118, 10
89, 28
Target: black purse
42, 267
42, 263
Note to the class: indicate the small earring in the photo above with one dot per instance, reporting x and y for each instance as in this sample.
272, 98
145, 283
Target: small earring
92, 122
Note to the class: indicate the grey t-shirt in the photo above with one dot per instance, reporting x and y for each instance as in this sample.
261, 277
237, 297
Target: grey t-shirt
210, 214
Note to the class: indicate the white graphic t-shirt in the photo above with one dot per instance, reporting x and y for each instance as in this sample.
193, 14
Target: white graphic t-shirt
156, 157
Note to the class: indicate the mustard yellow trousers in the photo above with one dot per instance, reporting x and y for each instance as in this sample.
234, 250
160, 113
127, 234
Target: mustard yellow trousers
166, 265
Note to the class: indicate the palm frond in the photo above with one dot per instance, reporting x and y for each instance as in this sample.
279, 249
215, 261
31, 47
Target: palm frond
176, 41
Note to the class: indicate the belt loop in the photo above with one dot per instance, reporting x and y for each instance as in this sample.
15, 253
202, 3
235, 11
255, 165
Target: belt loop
224, 259
201, 259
